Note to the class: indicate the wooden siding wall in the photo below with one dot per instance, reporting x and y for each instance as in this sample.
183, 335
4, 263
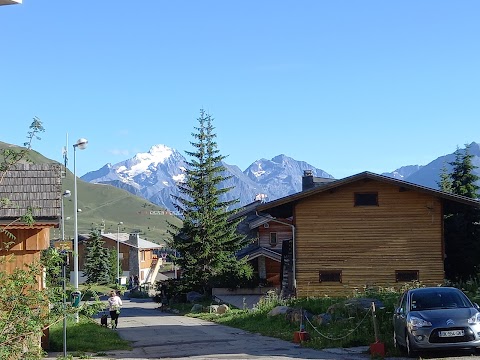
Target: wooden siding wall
272, 268
27, 247
124, 249
109, 244
284, 232
273, 271
367, 243
26, 239
148, 259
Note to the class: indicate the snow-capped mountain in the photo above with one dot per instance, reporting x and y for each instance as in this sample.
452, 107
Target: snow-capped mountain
404, 172
154, 175
280, 176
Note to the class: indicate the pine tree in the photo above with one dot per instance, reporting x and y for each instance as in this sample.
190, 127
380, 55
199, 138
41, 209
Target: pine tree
97, 260
206, 242
463, 178
445, 183
462, 233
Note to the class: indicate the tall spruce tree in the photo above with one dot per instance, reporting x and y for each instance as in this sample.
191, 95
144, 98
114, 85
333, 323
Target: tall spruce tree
97, 265
445, 183
207, 241
461, 229
463, 178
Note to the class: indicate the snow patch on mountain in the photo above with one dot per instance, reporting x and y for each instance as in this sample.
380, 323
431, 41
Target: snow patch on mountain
147, 162
179, 177
154, 175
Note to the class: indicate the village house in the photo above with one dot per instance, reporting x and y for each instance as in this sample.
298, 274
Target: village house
265, 250
138, 257
363, 230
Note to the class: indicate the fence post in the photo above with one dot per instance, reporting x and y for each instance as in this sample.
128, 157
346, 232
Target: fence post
377, 348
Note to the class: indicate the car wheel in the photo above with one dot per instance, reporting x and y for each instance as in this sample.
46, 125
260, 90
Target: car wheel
409, 349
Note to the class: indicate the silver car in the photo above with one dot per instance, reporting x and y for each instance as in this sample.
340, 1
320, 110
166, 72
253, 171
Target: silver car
436, 318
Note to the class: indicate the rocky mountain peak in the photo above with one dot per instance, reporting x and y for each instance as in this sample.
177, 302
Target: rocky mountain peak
155, 174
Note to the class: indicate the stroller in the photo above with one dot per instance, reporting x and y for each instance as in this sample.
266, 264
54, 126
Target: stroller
164, 303
104, 319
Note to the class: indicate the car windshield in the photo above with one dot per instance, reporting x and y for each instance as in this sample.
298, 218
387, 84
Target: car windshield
438, 299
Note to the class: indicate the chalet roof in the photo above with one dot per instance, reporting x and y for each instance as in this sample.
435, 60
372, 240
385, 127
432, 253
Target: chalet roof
254, 251
258, 221
32, 186
124, 238
245, 210
289, 200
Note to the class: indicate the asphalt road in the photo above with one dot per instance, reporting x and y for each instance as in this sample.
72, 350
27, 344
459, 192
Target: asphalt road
158, 335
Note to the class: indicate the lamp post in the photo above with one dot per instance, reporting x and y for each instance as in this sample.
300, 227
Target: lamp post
65, 194
81, 144
118, 252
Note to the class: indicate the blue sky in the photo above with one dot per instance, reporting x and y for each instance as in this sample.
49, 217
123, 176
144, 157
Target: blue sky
347, 86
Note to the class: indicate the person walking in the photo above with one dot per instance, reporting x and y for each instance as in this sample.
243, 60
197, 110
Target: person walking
114, 305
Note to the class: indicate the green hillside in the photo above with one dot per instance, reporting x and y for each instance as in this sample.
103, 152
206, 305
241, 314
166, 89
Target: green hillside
104, 206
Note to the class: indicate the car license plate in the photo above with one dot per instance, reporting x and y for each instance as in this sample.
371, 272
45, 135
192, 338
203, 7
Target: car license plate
451, 333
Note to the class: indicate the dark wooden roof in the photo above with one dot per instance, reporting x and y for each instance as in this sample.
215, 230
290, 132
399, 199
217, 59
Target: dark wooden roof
35, 186
283, 207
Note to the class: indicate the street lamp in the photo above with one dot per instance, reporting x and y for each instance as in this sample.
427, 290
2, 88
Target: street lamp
65, 194
118, 252
81, 144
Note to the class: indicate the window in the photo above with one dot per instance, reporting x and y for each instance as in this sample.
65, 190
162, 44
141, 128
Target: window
366, 199
330, 276
142, 255
406, 275
273, 239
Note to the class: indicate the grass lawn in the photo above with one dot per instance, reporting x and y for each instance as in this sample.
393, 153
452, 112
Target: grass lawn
99, 289
80, 337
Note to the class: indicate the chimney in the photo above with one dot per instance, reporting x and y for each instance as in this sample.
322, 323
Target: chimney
261, 197
307, 180
133, 239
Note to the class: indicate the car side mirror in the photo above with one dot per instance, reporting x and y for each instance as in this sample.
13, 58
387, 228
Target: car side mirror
476, 306
398, 311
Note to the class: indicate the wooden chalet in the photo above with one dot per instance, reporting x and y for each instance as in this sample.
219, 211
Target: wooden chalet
29, 187
137, 256
264, 252
363, 230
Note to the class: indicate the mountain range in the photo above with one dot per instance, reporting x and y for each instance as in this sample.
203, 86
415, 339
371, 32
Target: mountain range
153, 175
429, 175
106, 207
